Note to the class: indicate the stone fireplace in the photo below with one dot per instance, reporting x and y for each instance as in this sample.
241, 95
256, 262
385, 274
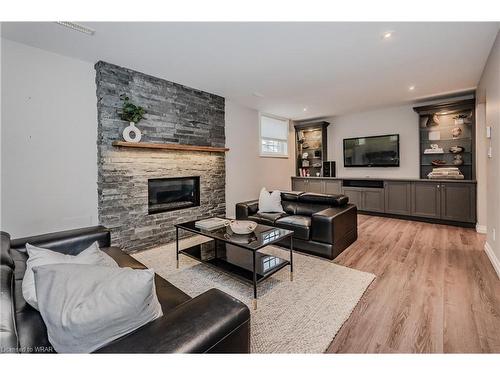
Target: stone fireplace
132, 183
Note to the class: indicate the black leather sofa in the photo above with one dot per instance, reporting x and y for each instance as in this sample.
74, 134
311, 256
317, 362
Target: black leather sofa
323, 224
213, 322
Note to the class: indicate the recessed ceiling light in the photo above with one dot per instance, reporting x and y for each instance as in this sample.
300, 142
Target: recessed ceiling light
387, 34
411, 88
76, 27
305, 109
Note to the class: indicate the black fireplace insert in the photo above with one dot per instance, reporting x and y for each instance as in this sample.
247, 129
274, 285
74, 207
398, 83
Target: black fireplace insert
174, 193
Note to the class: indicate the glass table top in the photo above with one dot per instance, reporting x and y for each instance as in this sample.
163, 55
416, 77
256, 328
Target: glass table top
262, 236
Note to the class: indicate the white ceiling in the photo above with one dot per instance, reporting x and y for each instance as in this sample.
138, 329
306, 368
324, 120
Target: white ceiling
329, 68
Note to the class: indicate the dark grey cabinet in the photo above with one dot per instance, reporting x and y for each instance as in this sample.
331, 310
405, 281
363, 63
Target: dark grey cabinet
355, 196
333, 187
315, 186
445, 201
449, 202
373, 200
397, 197
299, 184
310, 185
458, 202
426, 200
366, 199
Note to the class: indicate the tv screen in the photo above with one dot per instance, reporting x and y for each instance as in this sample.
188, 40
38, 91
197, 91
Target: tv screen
376, 151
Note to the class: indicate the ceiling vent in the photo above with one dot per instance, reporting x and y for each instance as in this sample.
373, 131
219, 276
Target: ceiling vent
76, 27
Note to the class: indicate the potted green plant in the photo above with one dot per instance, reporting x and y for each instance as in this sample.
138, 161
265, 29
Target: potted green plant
133, 114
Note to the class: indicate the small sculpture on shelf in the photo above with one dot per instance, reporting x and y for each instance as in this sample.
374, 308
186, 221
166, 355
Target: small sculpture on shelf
457, 149
459, 119
305, 162
430, 121
458, 160
435, 149
456, 132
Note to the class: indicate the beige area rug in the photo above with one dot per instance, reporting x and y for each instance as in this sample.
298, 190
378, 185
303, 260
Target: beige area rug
300, 316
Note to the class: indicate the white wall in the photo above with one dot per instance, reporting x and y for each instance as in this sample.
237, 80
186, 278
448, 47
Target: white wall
402, 120
49, 154
49, 132
246, 171
489, 95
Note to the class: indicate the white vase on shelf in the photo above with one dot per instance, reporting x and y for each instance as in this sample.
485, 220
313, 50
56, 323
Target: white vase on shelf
132, 133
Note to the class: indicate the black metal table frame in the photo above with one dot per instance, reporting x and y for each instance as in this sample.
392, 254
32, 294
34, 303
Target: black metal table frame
254, 251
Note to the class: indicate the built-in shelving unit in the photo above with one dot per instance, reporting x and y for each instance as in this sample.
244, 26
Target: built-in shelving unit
169, 146
447, 125
311, 141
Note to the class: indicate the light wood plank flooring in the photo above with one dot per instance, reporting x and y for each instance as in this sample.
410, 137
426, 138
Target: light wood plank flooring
435, 292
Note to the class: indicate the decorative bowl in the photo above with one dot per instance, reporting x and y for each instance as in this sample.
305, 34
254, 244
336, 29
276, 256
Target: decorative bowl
242, 226
438, 162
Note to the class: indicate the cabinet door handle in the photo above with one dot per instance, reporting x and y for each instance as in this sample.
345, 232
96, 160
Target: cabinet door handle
439, 186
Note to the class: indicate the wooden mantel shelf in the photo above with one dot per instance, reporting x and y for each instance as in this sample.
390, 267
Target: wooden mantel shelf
169, 146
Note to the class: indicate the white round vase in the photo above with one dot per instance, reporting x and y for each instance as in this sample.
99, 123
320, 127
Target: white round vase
132, 133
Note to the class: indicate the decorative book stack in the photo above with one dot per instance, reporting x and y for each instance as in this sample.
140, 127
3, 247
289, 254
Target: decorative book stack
451, 173
212, 223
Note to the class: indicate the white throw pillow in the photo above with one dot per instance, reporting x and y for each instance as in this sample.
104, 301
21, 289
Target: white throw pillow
86, 307
270, 202
39, 256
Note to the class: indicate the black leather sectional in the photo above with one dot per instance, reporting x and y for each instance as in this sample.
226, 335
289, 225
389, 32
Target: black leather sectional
212, 322
323, 224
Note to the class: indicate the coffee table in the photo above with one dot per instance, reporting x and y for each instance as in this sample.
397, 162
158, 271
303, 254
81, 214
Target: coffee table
238, 255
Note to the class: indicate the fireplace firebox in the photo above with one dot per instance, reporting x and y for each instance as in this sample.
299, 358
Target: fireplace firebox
169, 194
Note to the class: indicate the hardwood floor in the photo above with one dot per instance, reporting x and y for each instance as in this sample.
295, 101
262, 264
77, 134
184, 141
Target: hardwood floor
435, 292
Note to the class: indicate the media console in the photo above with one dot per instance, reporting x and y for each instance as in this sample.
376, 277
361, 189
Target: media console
439, 201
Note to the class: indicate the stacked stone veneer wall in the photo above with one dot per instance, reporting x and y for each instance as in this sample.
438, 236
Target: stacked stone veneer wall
175, 114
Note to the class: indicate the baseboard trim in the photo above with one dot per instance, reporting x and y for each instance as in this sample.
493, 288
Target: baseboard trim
481, 229
419, 218
493, 259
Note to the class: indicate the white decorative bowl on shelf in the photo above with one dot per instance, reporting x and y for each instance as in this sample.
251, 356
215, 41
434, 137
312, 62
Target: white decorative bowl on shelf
242, 226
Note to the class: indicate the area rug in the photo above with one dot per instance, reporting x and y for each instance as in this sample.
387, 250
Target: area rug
299, 316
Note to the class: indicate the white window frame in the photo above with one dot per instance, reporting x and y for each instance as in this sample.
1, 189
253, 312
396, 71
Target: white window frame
272, 155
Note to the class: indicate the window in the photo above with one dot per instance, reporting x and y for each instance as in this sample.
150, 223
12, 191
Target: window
273, 136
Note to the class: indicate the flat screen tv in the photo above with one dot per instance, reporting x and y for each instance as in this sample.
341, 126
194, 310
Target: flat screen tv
376, 151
